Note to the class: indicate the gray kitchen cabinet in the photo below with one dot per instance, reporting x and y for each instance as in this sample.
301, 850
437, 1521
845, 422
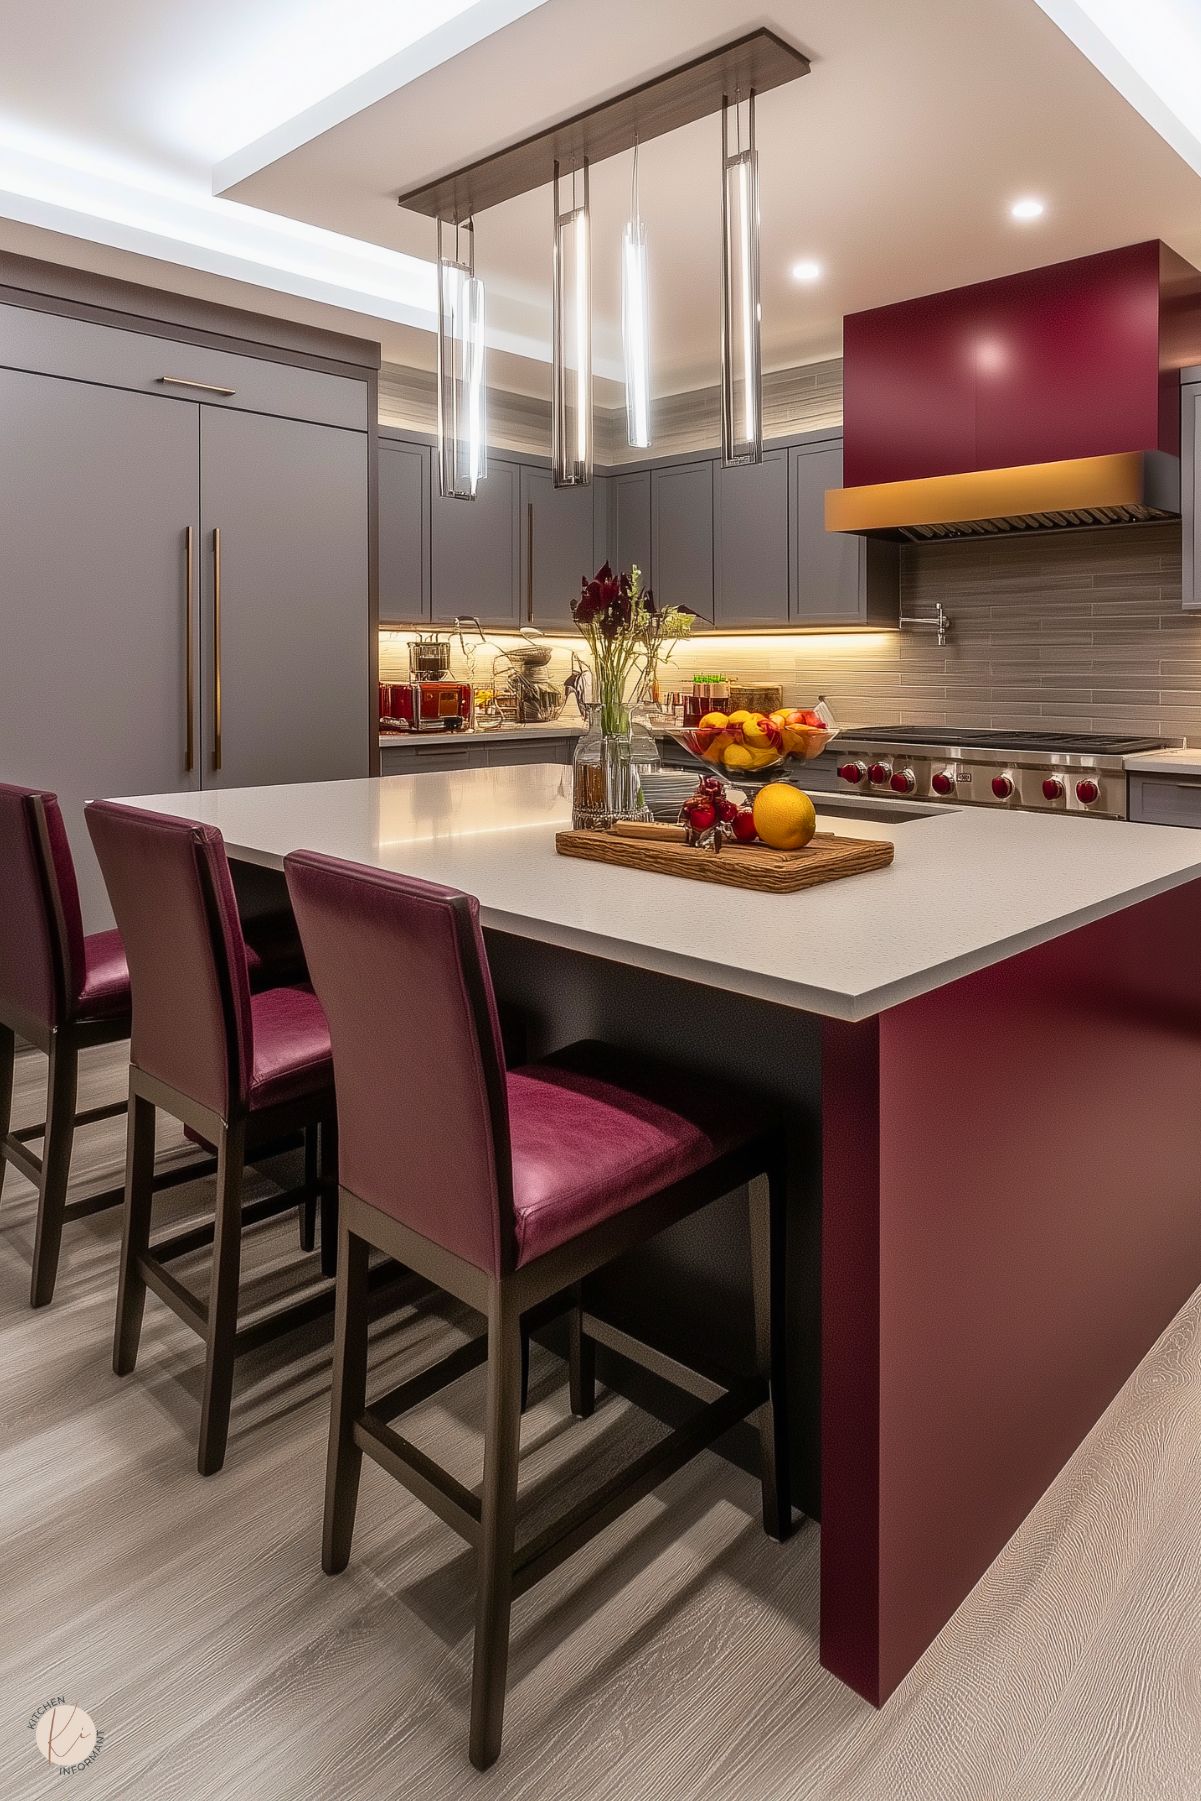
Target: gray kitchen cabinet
837, 577
432, 751
630, 501
97, 491
558, 543
404, 531
475, 551
53, 344
751, 542
682, 535
1163, 799
284, 652
1190, 493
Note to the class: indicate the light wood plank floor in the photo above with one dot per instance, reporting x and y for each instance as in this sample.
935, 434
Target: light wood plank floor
675, 1658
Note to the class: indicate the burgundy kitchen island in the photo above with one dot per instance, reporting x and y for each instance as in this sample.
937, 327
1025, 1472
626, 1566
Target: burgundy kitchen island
989, 1057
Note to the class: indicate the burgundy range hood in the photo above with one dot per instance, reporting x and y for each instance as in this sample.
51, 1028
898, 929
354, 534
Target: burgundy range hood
1041, 401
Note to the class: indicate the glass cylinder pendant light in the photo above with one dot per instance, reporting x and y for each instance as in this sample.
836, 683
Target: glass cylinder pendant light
635, 322
462, 395
571, 397
741, 352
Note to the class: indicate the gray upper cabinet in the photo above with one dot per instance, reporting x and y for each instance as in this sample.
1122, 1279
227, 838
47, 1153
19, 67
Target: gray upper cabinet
291, 667
98, 489
404, 530
559, 531
1190, 492
837, 578
631, 523
682, 535
475, 551
751, 542
56, 345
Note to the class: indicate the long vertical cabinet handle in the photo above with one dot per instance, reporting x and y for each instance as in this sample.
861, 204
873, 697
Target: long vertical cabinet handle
216, 647
189, 653
529, 562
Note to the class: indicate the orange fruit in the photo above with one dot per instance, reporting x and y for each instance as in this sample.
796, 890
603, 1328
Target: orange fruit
784, 817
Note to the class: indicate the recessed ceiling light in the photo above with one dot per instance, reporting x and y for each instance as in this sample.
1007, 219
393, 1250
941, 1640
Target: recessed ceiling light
1027, 209
807, 270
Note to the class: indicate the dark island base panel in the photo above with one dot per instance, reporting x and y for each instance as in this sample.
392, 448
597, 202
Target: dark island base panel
688, 1291
1012, 1218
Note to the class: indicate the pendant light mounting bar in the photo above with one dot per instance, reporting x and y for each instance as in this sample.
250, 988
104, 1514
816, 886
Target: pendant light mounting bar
759, 61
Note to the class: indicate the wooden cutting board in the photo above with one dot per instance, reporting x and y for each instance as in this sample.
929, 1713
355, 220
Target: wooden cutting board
826, 858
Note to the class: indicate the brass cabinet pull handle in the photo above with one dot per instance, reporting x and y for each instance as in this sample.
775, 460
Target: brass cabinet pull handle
529, 562
216, 647
186, 381
189, 656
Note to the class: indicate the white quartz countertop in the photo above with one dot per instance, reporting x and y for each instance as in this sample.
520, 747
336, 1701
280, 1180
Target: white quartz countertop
1182, 760
559, 728
968, 886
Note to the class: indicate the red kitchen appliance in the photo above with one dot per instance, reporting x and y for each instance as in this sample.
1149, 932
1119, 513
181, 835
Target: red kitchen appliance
424, 706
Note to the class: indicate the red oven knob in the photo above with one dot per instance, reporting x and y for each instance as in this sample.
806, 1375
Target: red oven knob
1052, 788
942, 782
903, 782
878, 772
852, 772
1002, 786
1087, 792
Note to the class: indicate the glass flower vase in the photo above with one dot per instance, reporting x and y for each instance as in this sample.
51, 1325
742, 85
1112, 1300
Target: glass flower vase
606, 771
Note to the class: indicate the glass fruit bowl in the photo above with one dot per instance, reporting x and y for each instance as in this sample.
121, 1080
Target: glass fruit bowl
742, 743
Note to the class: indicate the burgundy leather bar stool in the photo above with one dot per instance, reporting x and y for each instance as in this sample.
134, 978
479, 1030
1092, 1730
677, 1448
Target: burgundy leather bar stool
534, 1178
64, 992
238, 1069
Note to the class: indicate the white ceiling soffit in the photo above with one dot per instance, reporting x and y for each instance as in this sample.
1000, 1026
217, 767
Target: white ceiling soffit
113, 120
478, 20
1151, 52
893, 165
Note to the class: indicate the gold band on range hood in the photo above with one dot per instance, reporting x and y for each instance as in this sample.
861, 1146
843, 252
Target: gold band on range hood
1103, 490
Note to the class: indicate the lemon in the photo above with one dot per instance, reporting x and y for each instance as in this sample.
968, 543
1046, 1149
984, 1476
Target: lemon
738, 756
713, 722
740, 717
756, 732
784, 817
762, 755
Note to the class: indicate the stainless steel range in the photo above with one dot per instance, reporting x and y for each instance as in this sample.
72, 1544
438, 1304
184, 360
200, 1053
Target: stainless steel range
1053, 772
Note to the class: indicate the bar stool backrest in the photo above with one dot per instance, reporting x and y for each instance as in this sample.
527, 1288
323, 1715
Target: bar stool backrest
400, 968
41, 925
169, 883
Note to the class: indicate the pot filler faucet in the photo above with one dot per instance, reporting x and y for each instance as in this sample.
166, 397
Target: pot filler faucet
938, 621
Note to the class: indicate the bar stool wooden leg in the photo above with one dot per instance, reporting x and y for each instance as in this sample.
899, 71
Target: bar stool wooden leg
220, 1345
581, 1361
494, 1596
766, 1197
328, 1190
135, 1236
345, 1459
56, 1167
8, 1057
307, 1210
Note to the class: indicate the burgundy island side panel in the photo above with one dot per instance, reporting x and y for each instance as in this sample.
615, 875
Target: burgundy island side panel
1011, 1217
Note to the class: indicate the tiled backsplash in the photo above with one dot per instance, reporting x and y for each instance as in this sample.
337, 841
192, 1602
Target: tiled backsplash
1076, 629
